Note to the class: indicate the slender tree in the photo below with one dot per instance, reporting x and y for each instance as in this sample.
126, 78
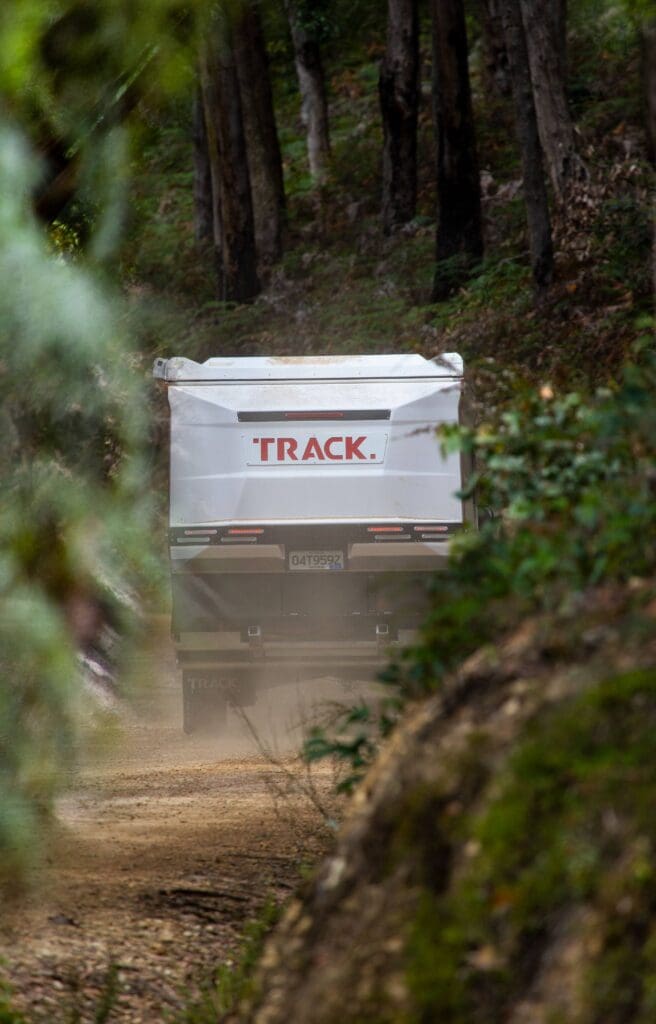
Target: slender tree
648, 36
203, 201
545, 27
399, 99
494, 48
459, 240
535, 192
231, 188
312, 85
264, 158
648, 39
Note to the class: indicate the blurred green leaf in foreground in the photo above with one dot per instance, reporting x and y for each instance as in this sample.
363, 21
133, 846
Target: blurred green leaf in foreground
74, 495
72, 508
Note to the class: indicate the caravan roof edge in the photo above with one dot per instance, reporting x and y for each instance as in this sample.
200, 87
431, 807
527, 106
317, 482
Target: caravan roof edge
308, 368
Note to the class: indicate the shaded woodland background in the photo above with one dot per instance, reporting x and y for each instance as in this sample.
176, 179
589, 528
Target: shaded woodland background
255, 178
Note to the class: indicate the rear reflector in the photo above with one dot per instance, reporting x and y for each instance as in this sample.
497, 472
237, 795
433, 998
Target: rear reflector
385, 529
245, 531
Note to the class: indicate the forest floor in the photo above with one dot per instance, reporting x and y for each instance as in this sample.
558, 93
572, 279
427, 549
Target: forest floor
166, 846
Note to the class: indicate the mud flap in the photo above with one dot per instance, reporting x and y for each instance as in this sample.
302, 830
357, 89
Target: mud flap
242, 692
204, 703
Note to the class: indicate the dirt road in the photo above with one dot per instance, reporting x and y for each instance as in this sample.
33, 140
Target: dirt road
166, 846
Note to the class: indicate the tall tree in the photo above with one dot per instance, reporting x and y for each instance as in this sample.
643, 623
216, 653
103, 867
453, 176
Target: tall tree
264, 160
399, 98
233, 209
535, 192
312, 85
648, 39
648, 36
545, 27
203, 200
494, 49
459, 240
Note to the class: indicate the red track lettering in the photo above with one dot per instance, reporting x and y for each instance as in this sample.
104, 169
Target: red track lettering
339, 448
328, 448
313, 450
264, 447
287, 449
353, 448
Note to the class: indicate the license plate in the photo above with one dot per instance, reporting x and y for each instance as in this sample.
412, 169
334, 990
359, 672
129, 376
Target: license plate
299, 560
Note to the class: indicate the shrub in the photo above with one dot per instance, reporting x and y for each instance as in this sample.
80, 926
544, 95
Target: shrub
568, 483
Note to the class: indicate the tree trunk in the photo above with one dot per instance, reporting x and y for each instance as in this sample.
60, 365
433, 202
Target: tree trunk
203, 207
459, 242
649, 64
399, 97
535, 192
210, 100
545, 26
314, 105
497, 73
233, 209
264, 160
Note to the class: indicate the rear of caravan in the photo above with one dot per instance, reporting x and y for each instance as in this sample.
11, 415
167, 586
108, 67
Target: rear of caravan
309, 499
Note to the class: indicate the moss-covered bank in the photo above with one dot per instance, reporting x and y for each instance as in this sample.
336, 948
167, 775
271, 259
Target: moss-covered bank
498, 861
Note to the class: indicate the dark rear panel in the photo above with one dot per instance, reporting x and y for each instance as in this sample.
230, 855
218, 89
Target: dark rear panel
308, 605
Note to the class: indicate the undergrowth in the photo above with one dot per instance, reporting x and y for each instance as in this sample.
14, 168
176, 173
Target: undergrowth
569, 487
571, 824
233, 982
8, 1015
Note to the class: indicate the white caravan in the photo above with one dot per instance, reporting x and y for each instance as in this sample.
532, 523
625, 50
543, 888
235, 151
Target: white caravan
309, 501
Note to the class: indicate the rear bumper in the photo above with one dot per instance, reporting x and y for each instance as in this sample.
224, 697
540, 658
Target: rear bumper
236, 601
383, 557
389, 546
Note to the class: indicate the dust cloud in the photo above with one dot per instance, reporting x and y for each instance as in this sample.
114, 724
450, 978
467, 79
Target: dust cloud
165, 846
145, 726
275, 726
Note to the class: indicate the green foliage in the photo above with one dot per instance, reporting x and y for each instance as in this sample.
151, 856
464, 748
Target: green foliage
566, 485
7, 1014
72, 74
622, 237
108, 996
72, 523
72, 60
314, 16
353, 739
233, 981
569, 481
570, 822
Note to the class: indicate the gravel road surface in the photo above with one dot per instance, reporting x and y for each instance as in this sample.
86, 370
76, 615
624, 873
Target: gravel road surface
166, 845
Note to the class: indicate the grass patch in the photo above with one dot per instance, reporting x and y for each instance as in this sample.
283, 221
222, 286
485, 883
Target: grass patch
8, 1015
233, 981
